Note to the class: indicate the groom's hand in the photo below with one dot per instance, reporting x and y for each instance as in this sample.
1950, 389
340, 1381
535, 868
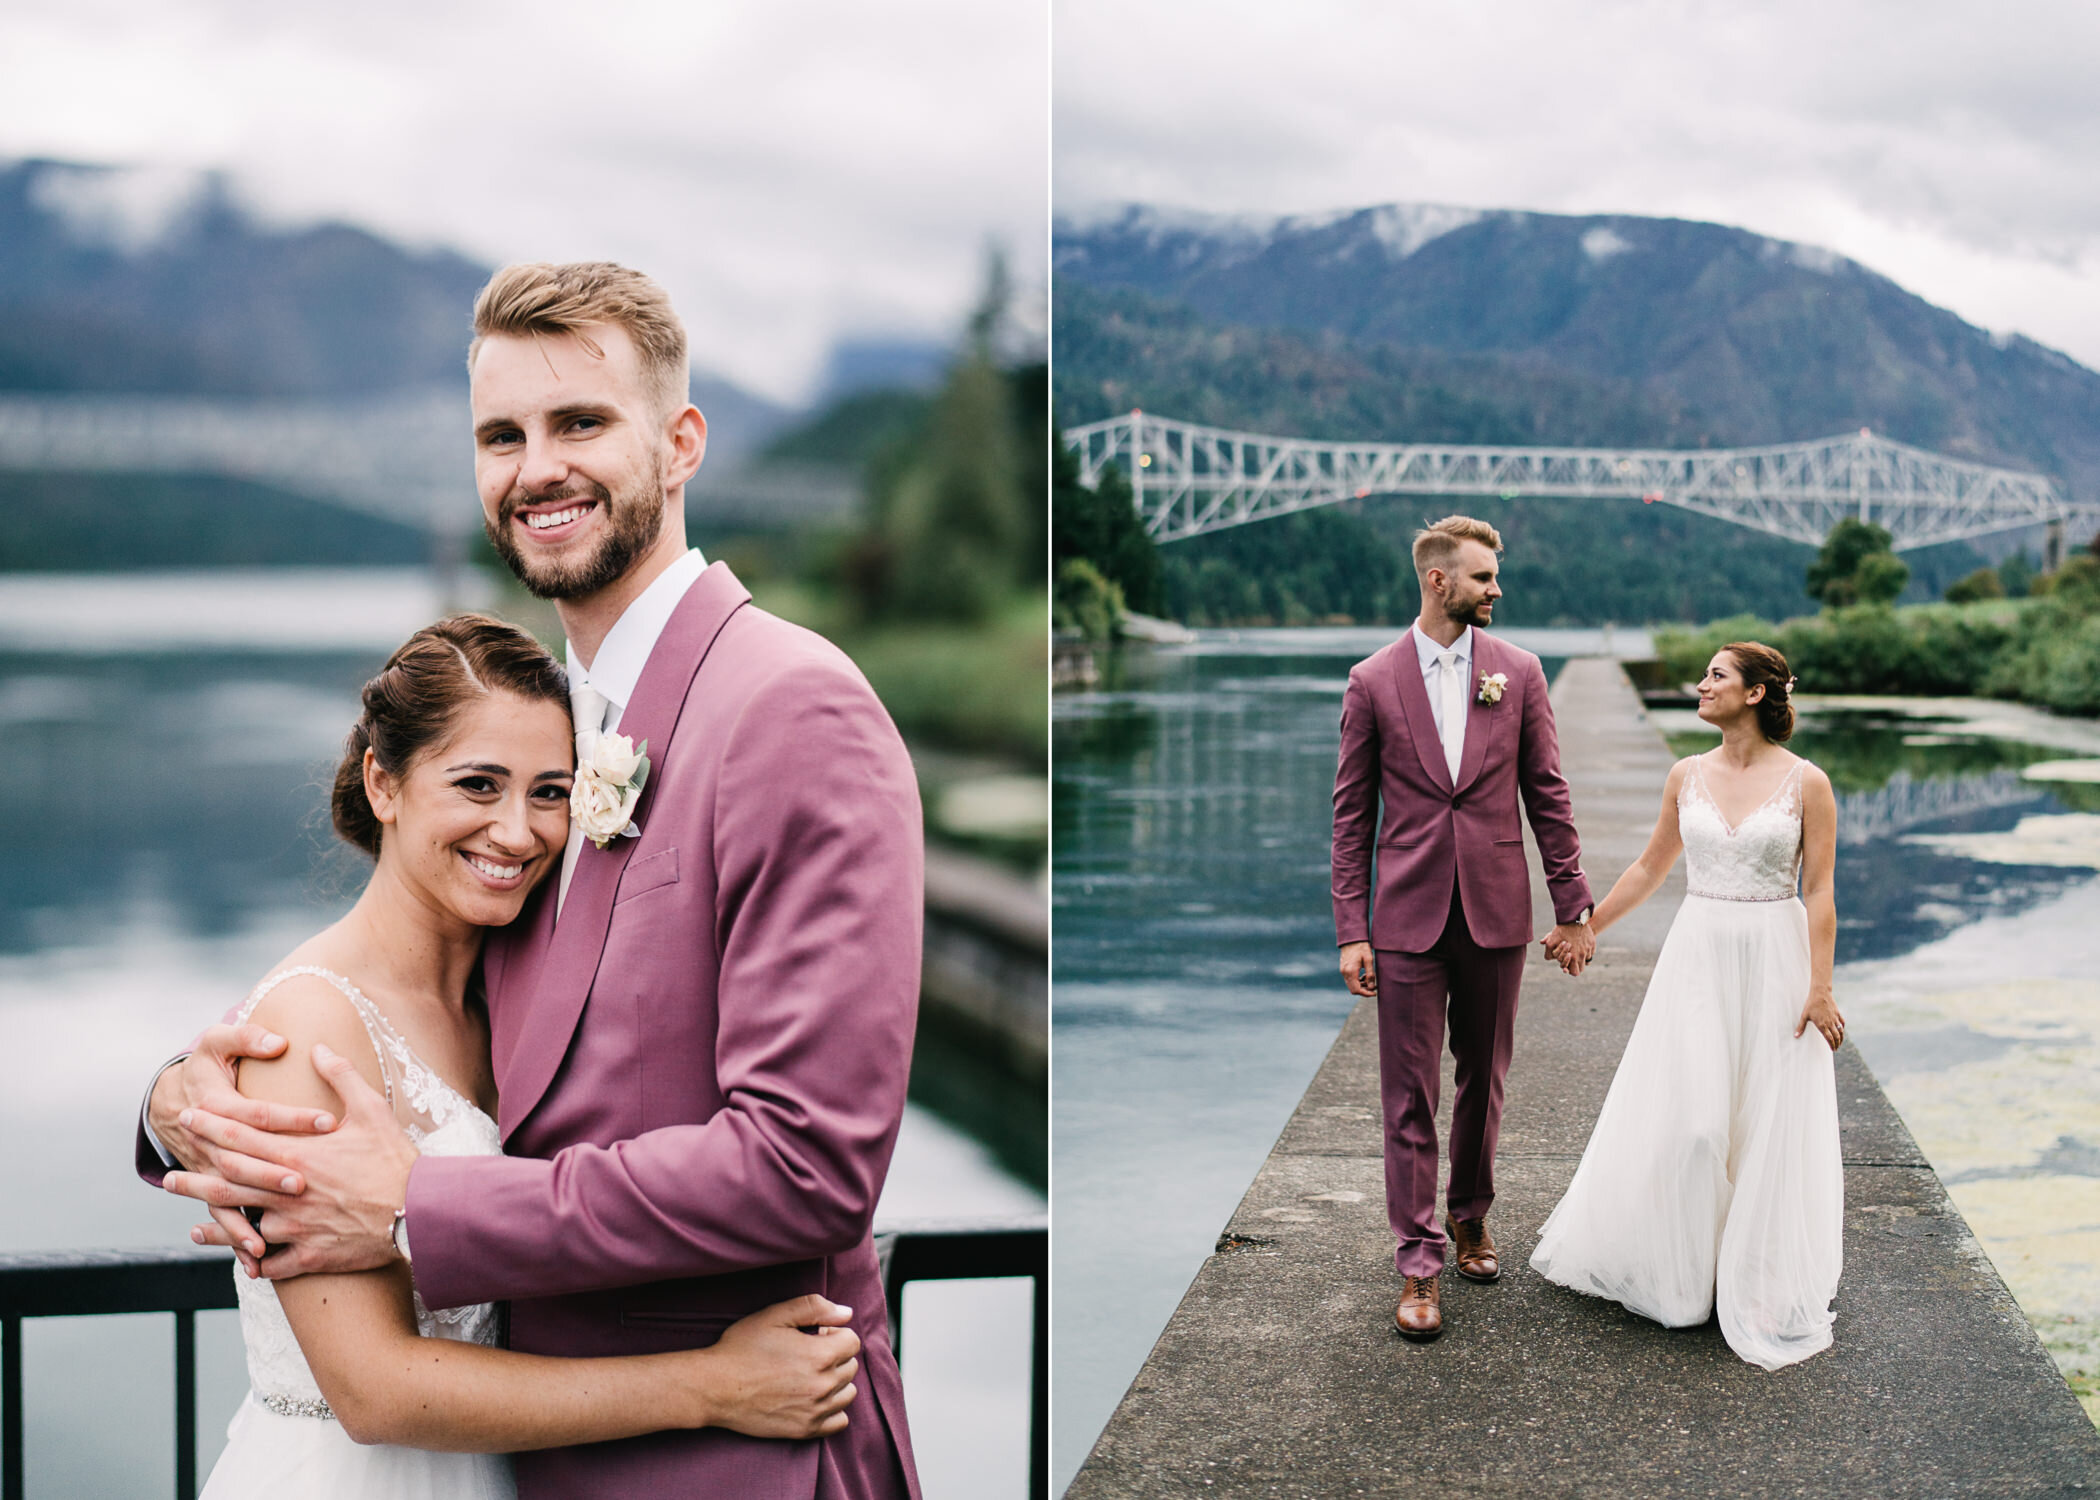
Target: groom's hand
204, 1084
1572, 945
351, 1180
1360, 969
786, 1371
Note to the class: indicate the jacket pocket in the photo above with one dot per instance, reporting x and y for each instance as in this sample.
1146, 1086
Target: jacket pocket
652, 1317
645, 875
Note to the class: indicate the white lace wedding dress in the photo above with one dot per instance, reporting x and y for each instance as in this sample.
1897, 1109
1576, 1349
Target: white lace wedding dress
283, 1441
1713, 1174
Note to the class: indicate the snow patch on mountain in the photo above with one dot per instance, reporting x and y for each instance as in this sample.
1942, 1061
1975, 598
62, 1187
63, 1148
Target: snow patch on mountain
127, 209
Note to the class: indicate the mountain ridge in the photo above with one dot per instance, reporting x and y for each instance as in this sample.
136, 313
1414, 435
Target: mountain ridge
1752, 339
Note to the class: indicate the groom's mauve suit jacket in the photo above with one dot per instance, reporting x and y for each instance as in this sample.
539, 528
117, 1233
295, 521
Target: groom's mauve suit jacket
702, 1065
1435, 830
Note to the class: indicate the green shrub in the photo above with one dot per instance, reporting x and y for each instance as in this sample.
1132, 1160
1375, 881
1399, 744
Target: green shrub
1982, 584
2053, 656
1930, 650
1086, 601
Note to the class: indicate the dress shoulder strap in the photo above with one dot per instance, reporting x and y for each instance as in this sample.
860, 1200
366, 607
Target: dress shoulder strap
376, 1028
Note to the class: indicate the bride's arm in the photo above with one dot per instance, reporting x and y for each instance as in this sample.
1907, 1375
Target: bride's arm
1645, 875
1819, 895
387, 1384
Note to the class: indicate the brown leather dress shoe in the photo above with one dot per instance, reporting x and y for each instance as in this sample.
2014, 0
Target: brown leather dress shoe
1420, 1316
1474, 1249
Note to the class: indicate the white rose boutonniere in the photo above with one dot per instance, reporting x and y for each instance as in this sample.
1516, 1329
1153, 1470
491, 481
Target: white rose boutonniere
609, 783
1491, 686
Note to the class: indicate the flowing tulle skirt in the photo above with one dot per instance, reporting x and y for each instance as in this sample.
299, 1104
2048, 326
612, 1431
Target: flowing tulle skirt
1713, 1175
274, 1457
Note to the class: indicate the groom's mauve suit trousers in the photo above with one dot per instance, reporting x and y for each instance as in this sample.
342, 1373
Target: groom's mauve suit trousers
1479, 986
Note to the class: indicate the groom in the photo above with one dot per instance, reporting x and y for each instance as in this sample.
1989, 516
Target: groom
702, 1030
1448, 728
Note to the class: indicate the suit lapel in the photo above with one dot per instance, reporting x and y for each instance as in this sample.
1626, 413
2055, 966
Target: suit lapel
1414, 703
510, 994
1480, 716
547, 1020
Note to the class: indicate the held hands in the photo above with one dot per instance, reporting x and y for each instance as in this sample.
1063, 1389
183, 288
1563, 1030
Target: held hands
1571, 945
1821, 1012
327, 1201
768, 1378
1360, 969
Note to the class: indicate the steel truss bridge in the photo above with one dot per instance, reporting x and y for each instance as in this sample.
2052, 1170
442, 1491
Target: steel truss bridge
409, 458
1189, 480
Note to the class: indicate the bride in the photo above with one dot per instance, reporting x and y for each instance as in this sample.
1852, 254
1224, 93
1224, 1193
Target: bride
1713, 1174
457, 782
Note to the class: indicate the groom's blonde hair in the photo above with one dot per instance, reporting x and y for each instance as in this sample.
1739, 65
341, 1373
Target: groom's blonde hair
533, 299
1437, 543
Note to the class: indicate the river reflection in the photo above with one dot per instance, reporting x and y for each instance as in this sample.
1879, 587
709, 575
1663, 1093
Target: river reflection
1195, 991
163, 840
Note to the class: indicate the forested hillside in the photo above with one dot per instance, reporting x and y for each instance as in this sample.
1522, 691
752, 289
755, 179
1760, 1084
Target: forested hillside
1414, 324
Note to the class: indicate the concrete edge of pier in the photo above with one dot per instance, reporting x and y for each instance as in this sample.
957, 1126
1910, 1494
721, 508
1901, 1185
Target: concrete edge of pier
1279, 1374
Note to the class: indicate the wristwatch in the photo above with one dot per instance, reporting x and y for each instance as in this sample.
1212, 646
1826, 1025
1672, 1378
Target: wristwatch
401, 1234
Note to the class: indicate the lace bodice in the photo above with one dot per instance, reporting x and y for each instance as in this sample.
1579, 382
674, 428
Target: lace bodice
1757, 860
442, 1122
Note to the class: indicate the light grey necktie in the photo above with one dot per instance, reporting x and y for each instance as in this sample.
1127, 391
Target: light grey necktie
587, 706
1451, 725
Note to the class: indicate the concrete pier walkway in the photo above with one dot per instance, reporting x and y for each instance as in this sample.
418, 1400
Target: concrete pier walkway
1279, 1374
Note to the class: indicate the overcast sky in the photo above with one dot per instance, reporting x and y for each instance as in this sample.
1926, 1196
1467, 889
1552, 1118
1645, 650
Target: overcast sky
792, 170
1952, 146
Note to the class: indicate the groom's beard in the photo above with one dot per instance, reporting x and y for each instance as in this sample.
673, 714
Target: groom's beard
1474, 612
632, 525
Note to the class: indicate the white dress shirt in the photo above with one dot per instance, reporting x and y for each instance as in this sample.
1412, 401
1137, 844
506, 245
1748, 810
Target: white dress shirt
617, 668
1431, 656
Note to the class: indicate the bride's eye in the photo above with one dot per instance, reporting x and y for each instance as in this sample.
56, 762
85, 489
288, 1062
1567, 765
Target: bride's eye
475, 786
551, 792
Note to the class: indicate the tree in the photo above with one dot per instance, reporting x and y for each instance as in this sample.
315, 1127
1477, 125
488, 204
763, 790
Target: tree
1101, 525
2016, 575
954, 530
1857, 565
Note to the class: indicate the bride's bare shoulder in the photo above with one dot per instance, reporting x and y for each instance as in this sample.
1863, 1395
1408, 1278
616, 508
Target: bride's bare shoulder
1814, 779
307, 1009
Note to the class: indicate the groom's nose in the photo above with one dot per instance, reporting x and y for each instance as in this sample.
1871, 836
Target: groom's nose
543, 467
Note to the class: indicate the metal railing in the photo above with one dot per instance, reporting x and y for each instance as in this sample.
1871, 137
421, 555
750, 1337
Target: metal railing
97, 1282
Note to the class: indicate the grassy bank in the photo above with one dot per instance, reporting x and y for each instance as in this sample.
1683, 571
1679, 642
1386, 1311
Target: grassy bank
2044, 651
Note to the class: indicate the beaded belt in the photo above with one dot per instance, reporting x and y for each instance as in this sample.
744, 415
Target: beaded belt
294, 1406
1717, 896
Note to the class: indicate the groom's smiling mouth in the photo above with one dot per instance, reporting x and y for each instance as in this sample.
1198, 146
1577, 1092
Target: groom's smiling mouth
556, 520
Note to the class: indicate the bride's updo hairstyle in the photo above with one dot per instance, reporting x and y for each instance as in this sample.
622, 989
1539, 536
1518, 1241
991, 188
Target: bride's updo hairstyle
414, 701
1763, 667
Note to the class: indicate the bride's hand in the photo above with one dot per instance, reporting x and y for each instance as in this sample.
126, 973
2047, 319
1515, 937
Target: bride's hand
767, 1378
1821, 1012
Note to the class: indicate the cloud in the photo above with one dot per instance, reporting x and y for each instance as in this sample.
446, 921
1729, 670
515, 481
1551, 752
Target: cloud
1949, 151
792, 172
